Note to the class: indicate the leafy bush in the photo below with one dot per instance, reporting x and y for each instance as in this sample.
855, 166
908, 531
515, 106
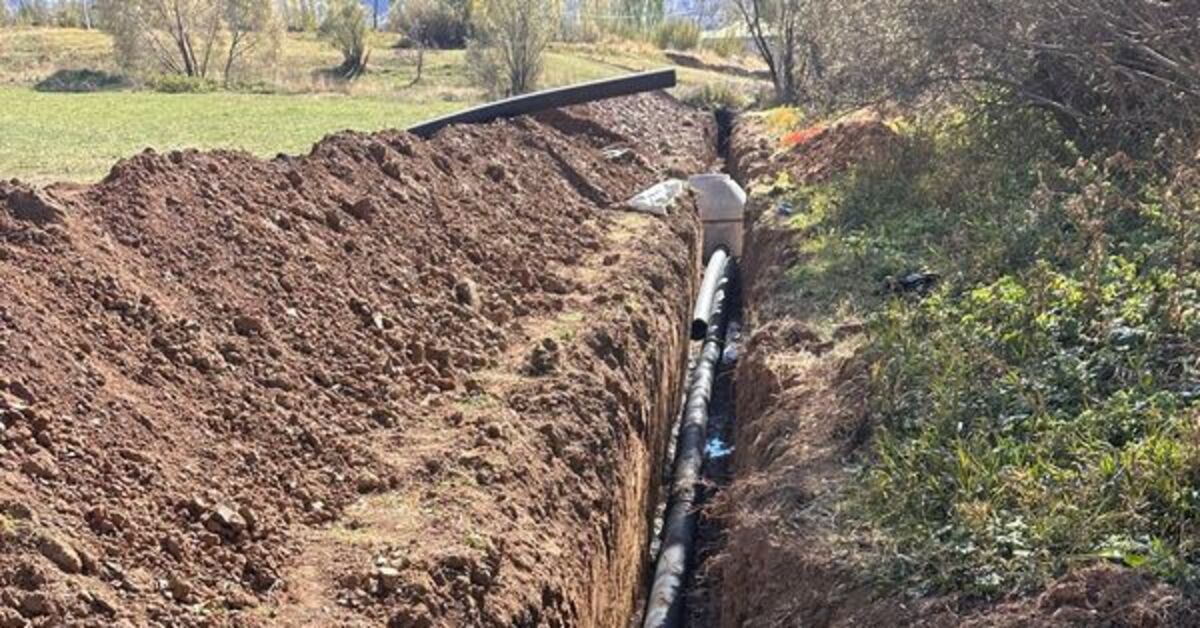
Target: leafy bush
180, 84
781, 120
81, 81
431, 24
677, 34
1118, 74
345, 28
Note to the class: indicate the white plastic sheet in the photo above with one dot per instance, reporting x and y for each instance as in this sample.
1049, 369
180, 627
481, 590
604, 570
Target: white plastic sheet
658, 199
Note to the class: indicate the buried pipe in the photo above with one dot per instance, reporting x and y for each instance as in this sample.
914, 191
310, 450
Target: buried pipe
708, 288
664, 607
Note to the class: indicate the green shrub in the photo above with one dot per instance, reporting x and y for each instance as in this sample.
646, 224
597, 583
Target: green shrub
81, 81
677, 34
180, 84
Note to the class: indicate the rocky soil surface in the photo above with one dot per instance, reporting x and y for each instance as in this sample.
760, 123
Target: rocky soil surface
424, 383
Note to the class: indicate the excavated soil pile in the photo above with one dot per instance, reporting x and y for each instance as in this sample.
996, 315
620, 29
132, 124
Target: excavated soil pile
394, 380
824, 153
787, 559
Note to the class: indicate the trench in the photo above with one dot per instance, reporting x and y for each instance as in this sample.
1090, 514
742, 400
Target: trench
693, 603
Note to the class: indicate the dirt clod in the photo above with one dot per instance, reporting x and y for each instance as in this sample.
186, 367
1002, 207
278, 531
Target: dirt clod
226, 521
466, 292
544, 358
61, 554
31, 205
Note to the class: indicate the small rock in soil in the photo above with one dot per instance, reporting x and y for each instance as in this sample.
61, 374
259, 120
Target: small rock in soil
238, 600
229, 518
248, 326
466, 292
61, 554
544, 358
179, 589
37, 604
495, 172
33, 206
172, 545
369, 482
415, 616
364, 210
16, 510
10, 618
99, 601
389, 579
250, 518
41, 465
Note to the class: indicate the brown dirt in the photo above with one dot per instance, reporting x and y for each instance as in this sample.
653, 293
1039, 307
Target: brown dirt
827, 150
418, 382
788, 560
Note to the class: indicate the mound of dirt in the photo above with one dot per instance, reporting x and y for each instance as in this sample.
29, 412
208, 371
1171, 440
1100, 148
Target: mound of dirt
822, 152
299, 391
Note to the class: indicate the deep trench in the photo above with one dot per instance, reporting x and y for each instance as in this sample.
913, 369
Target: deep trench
699, 592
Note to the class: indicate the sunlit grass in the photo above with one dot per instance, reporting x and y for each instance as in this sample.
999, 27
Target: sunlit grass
78, 137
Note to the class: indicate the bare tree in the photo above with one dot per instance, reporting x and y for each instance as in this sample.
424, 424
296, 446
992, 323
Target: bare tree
512, 35
1105, 68
378, 8
176, 36
185, 36
775, 27
254, 31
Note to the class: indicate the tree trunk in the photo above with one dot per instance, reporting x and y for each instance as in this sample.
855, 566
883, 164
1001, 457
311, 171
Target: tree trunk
420, 63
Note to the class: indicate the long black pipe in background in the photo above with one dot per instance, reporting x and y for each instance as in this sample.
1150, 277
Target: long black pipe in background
551, 99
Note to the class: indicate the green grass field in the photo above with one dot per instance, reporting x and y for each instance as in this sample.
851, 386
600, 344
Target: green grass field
48, 137
77, 137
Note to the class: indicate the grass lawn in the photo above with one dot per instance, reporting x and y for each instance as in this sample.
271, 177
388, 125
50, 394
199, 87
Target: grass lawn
77, 137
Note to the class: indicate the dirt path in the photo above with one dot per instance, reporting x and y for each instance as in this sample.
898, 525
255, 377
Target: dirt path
423, 383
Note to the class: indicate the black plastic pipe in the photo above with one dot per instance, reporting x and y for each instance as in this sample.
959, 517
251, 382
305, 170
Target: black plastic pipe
708, 287
664, 607
551, 99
